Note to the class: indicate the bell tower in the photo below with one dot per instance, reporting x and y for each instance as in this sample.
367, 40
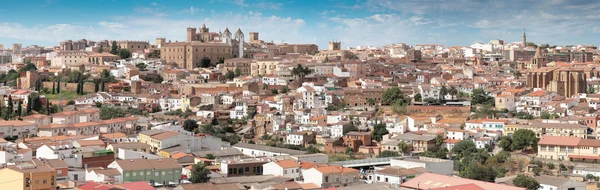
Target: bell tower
335, 45
239, 36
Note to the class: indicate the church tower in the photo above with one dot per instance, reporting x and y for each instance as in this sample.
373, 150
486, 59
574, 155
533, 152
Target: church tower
524, 39
239, 36
335, 45
226, 37
538, 60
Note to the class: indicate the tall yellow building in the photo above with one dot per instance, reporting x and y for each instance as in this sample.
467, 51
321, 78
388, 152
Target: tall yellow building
28, 176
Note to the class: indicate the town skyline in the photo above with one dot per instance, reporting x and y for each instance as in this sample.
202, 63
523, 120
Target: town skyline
355, 23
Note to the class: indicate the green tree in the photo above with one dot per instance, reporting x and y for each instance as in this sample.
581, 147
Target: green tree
29, 105
28, 67
517, 74
300, 71
190, 125
591, 177
48, 107
387, 153
274, 91
113, 48
371, 101
71, 102
124, 53
526, 182
480, 96
349, 151
348, 128
205, 62
199, 174
58, 86
100, 50
210, 156
545, 115
102, 85
110, 112
505, 143
418, 97
141, 66
479, 172
20, 108
392, 95
238, 72
403, 147
378, 131
312, 149
464, 148
285, 90
443, 93
10, 108
524, 115
453, 91
229, 75
96, 85
524, 138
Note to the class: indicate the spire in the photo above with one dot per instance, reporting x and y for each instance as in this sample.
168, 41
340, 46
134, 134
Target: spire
538, 52
524, 38
239, 31
226, 30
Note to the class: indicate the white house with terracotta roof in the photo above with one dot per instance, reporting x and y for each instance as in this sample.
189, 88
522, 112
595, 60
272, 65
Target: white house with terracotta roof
78, 116
38, 119
331, 176
17, 128
285, 168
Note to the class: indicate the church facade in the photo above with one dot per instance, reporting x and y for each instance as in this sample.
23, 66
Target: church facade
202, 44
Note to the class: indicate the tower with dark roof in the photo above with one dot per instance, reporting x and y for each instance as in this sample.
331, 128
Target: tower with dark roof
524, 38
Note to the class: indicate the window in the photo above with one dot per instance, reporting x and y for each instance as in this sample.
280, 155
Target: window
45, 181
247, 169
141, 173
59, 172
163, 172
326, 179
126, 174
155, 173
134, 174
27, 182
52, 179
148, 173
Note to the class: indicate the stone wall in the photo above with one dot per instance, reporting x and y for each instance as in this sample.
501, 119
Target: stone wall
87, 87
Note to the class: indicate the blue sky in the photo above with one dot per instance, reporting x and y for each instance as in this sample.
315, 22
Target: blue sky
354, 22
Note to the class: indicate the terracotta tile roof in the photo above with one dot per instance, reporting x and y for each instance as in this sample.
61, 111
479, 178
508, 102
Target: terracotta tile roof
85, 143
287, 163
179, 155
164, 135
15, 123
559, 140
431, 180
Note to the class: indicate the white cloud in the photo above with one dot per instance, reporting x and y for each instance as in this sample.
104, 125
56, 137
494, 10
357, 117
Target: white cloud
192, 10
419, 20
268, 5
112, 25
240, 3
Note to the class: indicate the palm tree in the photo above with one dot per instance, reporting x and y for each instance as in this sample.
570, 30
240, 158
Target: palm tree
443, 92
453, 91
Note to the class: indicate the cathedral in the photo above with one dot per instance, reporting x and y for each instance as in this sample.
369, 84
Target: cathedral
201, 44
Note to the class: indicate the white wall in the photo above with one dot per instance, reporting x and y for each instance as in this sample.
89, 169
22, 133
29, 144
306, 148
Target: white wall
444, 168
313, 176
130, 154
